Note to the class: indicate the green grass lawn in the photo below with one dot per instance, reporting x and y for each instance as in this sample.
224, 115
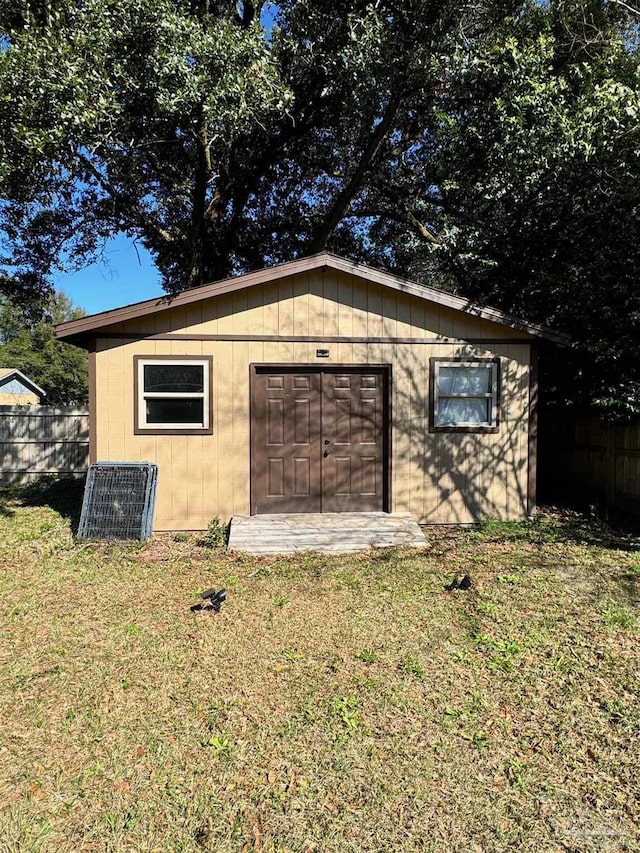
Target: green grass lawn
335, 704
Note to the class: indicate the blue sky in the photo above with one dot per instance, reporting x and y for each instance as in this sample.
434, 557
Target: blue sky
123, 275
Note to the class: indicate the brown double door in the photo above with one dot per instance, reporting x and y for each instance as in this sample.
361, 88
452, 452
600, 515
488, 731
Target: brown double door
318, 439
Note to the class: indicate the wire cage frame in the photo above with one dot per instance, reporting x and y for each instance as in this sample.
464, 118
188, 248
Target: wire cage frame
119, 501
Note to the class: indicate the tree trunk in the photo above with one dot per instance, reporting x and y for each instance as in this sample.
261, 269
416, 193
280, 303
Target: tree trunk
199, 203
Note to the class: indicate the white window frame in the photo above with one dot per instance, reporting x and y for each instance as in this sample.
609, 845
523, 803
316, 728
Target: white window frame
491, 425
143, 426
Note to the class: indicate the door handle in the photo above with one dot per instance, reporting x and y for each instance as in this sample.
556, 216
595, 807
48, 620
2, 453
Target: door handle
325, 454
326, 441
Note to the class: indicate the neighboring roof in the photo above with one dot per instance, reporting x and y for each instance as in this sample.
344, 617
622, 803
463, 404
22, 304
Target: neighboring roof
8, 372
77, 331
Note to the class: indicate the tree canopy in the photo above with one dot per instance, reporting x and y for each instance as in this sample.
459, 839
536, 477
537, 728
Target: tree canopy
488, 148
59, 369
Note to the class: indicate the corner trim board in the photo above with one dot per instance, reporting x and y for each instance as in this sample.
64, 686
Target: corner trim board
93, 407
532, 467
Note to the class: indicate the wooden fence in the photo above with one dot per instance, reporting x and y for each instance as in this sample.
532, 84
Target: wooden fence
36, 440
587, 460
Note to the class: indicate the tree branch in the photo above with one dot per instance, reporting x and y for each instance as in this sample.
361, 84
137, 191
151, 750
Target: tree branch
424, 232
344, 198
143, 220
627, 7
250, 12
405, 217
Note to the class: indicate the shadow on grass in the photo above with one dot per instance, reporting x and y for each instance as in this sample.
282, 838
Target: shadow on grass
61, 494
6, 496
564, 526
553, 524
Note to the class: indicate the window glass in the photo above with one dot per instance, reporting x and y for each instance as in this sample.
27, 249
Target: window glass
173, 378
174, 395
175, 410
465, 379
465, 394
463, 410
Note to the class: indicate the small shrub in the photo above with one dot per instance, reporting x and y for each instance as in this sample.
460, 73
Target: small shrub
181, 537
282, 600
216, 535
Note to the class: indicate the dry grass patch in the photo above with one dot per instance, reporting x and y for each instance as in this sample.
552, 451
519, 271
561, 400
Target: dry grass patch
335, 703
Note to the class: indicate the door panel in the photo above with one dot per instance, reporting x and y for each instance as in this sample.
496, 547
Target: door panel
285, 442
353, 436
318, 439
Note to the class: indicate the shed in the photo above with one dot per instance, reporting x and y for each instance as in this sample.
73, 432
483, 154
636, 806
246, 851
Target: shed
16, 389
318, 385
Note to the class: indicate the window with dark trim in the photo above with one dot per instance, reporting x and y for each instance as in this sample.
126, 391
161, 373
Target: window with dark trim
173, 395
464, 395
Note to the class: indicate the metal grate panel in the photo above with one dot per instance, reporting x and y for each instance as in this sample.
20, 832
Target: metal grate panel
119, 501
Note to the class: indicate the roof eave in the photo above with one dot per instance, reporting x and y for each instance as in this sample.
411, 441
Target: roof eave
36, 389
81, 331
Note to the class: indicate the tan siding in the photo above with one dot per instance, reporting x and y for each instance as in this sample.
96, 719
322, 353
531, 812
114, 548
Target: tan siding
301, 305
324, 303
120, 416
404, 326
209, 324
389, 307
345, 308
223, 428
443, 320
418, 322
443, 478
285, 307
316, 303
401, 354
240, 315
374, 310
11, 399
359, 299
